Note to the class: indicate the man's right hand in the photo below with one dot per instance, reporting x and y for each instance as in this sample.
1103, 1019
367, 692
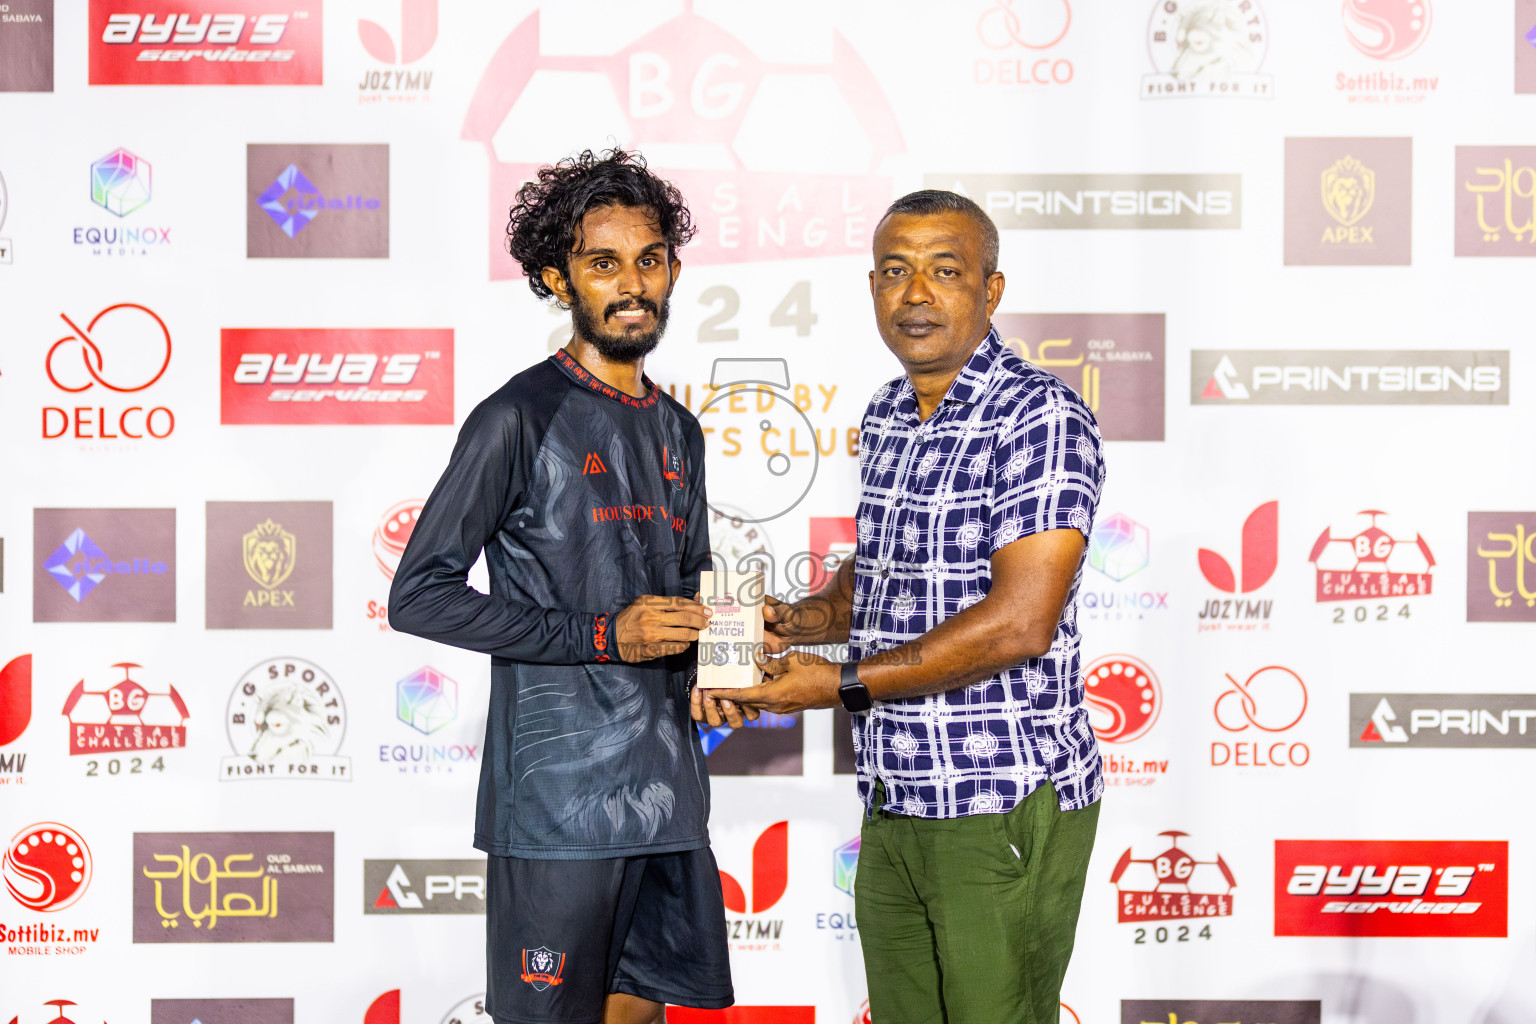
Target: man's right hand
653, 626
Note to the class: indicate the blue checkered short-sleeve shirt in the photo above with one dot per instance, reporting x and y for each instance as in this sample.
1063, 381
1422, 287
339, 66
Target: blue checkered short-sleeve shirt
1010, 451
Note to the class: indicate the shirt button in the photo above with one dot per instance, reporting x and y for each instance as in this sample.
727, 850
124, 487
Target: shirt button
885, 574
899, 501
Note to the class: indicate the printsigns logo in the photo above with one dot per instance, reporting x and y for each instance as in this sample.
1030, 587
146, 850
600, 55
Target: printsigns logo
269, 565
1204, 48
336, 376
1504, 542
317, 201
125, 717
1412, 888
1232, 1011
286, 720
47, 866
1370, 563
194, 42
1348, 202
109, 565
1115, 361
1525, 46
690, 79
125, 348
424, 886
1124, 698
1172, 885
1495, 200
1481, 721
1271, 700
26, 47
233, 886
221, 1011
418, 31
1105, 202
1345, 377
1387, 29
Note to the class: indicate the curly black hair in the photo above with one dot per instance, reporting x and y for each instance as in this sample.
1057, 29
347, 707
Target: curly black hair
543, 229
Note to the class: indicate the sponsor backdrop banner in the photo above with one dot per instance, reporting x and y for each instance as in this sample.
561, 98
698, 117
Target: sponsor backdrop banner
253, 264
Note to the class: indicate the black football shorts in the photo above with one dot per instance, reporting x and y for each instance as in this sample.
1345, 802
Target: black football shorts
562, 934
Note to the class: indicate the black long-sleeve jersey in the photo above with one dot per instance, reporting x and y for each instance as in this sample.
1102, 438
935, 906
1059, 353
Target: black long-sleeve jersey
583, 498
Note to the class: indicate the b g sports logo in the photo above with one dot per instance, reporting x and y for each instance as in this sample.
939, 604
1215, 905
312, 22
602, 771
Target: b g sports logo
205, 42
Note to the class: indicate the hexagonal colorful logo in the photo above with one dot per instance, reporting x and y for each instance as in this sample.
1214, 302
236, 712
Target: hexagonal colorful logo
845, 865
121, 182
1121, 547
426, 700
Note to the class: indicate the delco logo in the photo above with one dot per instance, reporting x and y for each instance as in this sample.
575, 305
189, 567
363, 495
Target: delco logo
337, 376
1392, 888
193, 42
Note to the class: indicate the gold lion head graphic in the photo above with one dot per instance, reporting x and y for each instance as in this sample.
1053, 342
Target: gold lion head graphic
270, 553
1349, 189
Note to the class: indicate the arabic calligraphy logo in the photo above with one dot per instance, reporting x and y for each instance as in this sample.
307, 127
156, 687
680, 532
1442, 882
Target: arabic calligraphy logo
1508, 541
269, 552
188, 866
393, 533
1522, 548
47, 866
136, 346
120, 182
1269, 697
1387, 29
125, 716
1124, 698
1349, 189
1026, 23
1509, 182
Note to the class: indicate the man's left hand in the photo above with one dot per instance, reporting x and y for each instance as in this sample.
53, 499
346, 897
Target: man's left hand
798, 681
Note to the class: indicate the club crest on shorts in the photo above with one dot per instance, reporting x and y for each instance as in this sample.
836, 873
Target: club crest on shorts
542, 967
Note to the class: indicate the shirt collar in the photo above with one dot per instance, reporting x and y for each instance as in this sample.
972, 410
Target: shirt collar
969, 384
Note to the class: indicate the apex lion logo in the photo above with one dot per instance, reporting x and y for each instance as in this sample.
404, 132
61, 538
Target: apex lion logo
542, 967
1349, 189
270, 553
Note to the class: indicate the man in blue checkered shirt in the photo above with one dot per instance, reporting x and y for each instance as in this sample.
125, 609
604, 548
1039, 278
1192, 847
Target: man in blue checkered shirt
978, 769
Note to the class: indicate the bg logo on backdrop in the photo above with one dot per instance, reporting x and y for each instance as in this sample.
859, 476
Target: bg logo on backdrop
121, 183
1272, 700
1348, 202
424, 886
317, 201
286, 720
1258, 555
125, 718
1113, 360
58, 1009
346, 376
1172, 886
1106, 202
770, 877
15, 716
427, 701
26, 47
418, 31
194, 42
1442, 889
1495, 200
125, 349
1361, 561
1207, 48
233, 886
1504, 543
1340, 377
1023, 33
1124, 701
104, 565
1120, 548
1525, 46
690, 79
221, 1011
269, 565
47, 868
1389, 32
1481, 721
1244, 1011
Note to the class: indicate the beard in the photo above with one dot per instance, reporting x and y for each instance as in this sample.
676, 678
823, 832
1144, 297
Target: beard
628, 343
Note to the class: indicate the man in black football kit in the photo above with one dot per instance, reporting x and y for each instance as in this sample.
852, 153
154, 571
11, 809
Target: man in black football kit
584, 485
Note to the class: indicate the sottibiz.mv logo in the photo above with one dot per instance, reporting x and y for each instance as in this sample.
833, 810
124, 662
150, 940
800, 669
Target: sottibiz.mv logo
1399, 888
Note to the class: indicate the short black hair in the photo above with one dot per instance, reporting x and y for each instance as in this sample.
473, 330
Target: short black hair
936, 200
545, 221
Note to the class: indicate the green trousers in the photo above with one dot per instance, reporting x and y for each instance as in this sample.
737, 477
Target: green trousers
971, 920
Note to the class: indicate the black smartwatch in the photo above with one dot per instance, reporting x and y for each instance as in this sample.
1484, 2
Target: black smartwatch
854, 694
